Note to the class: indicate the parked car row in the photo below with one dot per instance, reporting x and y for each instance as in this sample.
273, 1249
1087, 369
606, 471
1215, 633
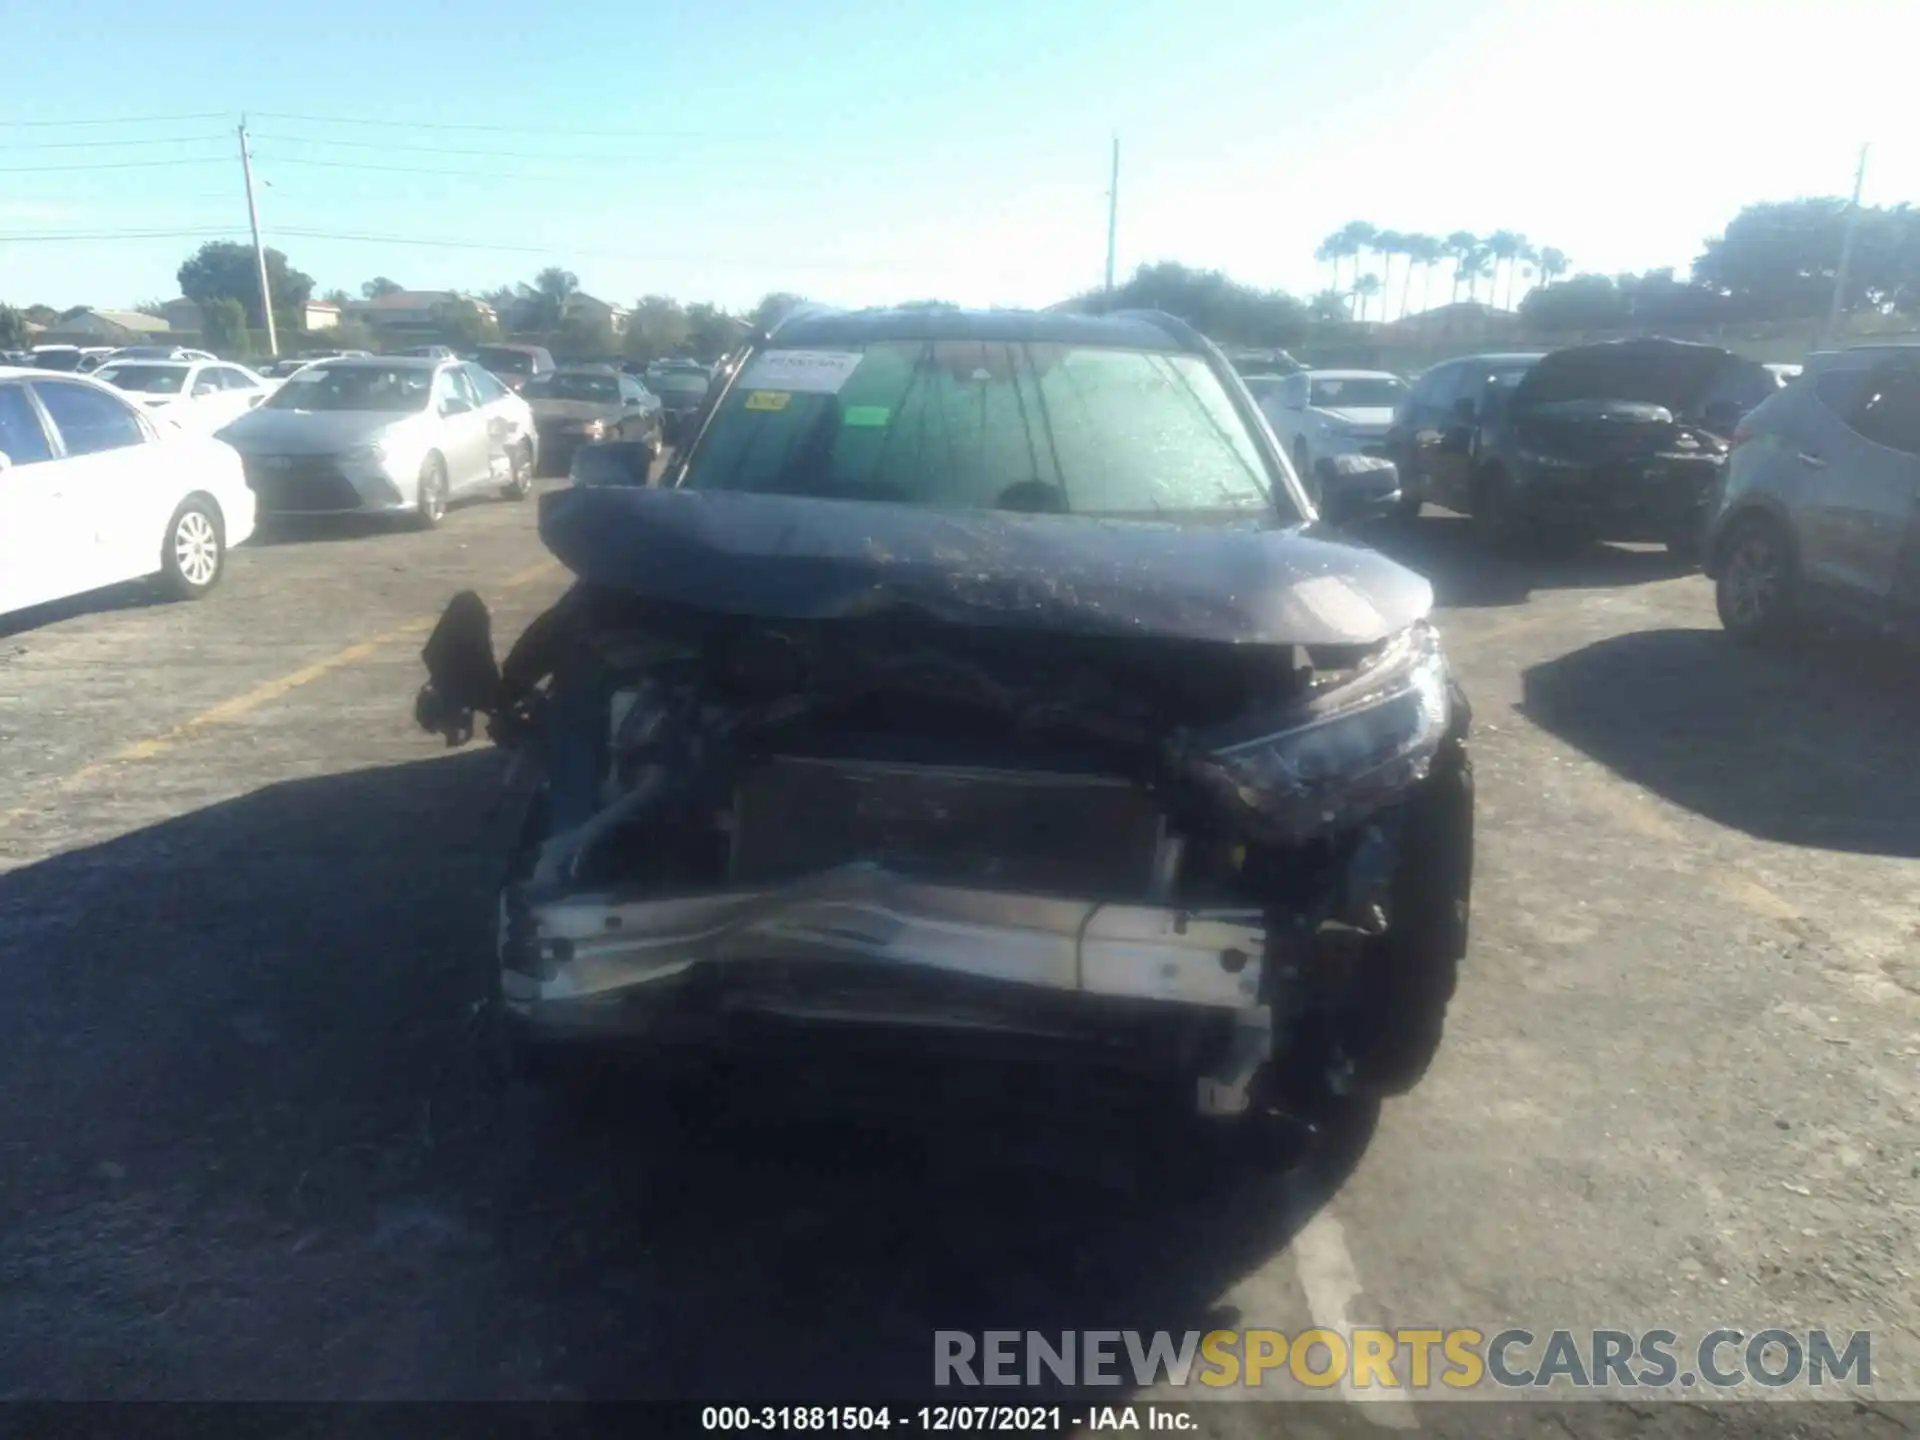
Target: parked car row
159, 467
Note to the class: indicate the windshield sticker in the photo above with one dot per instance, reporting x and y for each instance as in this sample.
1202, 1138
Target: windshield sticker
871, 417
768, 400
803, 372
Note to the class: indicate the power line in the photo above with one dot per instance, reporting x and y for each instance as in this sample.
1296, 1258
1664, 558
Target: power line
421, 170
108, 165
115, 120
496, 129
388, 147
111, 144
49, 236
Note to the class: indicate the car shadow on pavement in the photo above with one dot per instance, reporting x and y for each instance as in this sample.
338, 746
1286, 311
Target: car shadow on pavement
255, 1148
1811, 746
130, 595
1463, 573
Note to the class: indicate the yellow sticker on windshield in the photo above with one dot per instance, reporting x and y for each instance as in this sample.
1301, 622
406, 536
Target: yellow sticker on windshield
768, 399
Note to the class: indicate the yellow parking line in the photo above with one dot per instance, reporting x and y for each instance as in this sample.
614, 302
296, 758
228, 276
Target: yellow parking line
263, 694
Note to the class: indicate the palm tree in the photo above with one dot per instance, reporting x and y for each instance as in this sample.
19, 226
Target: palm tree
1480, 266
1457, 247
1553, 264
1364, 289
1501, 247
1421, 250
1332, 251
1388, 244
1529, 255
1329, 304
1359, 235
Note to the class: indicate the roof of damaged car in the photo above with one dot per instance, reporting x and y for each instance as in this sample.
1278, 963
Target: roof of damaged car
1132, 330
782, 557
1675, 374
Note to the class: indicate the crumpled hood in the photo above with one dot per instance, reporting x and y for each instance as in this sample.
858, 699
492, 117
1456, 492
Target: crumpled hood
311, 432
1360, 417
1676, 374
792, 558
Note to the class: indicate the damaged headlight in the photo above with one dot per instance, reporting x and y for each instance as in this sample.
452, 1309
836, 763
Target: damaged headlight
1349, 750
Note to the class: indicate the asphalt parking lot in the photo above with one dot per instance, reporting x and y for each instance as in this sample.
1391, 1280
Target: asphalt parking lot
248, 1147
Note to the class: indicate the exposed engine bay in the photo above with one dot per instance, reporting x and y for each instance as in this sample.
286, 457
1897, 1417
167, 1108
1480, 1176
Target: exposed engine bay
1226, 862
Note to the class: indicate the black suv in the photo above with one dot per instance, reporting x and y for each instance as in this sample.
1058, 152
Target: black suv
1617, 441
980, 680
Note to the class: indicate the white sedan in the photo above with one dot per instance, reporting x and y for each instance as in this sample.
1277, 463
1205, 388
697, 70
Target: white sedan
1320, 413
195, 394
94, 491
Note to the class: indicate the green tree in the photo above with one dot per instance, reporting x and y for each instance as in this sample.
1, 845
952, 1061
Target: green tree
1553, 264
1426, 252
1584, 303
1503, 248
226, 327
1389, 245
1330, 253
656, 327
583, 336
1781, 259
13, 328
772, 307
380, 285
338, 297
462, 323
552, 288
1329, 305
711, 332
41, 314
225, 270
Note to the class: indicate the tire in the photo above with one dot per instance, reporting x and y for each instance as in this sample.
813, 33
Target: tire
1756, 587
193, 556
430, 508
1392, 1029
519, 472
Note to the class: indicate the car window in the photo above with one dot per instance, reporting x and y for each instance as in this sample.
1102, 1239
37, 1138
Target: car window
23, 440
1046, 427
452, 382
89, 420
147, 379
1441, 388
1887, 410
1840, 390
233, 378
356, 386
1362, 392
484, 385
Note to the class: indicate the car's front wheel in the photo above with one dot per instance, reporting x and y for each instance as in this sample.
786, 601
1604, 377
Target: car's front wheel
1756, 587
519, 471
194, 553
430, 505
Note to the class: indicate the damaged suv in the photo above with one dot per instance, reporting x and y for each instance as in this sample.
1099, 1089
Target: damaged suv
982, 679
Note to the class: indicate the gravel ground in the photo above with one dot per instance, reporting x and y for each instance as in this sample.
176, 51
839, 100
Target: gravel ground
249, 1149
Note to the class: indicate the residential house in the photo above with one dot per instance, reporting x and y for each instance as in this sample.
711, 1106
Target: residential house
319, 315
407, 312
106, 327
184, 317
524, 313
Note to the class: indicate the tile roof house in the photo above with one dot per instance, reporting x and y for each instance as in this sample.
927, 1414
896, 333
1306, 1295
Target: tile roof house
105, 327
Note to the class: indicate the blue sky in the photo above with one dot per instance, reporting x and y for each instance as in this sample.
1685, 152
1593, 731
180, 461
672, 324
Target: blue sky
862, 153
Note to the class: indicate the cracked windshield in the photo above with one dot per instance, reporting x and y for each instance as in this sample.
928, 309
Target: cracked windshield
1049, 718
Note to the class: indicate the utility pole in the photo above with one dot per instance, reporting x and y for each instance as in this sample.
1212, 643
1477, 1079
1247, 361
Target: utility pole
1113, 210
259, 251
1846, 252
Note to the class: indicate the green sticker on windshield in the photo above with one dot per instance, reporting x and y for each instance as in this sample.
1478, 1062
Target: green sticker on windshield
870, 417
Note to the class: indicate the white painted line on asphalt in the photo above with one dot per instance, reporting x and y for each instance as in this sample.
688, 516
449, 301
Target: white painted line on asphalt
1325, 1268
